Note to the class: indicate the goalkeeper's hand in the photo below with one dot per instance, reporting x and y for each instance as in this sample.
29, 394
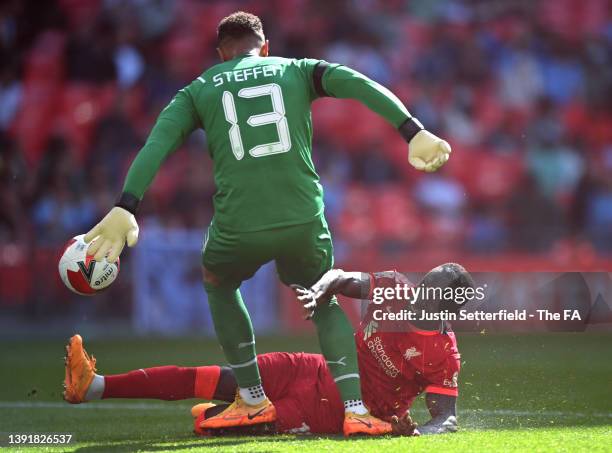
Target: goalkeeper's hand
118, 227
426, 152
404, 426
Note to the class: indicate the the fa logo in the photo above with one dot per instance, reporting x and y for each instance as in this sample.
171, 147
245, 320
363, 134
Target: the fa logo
411, 353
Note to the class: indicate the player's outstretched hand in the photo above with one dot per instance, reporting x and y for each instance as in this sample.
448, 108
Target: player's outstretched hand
118, 227
404, 426
320, 292
427, 152
326, 287
306, 300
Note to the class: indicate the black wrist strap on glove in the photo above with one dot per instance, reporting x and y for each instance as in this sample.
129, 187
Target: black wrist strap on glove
128, 202
410, 128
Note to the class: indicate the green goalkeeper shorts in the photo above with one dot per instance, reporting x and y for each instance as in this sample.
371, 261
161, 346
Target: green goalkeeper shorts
303, 253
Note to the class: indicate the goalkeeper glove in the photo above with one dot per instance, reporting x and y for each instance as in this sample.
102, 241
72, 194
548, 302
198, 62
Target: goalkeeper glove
426, 152
118, 227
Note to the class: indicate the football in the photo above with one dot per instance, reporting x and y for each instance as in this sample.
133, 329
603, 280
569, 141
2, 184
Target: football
81, 273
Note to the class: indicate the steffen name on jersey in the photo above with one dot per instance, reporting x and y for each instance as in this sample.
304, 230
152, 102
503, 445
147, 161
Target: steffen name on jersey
246, 74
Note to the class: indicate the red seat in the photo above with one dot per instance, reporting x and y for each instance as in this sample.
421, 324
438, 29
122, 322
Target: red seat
486, 176
45, 61
81, 107
43, 73
34, 122
15, 275
357, 224
396, 215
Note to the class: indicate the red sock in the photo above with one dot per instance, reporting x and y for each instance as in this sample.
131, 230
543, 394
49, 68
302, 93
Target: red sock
164, 383
206, 380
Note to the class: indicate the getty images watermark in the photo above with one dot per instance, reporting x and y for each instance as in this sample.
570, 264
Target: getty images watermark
430, 303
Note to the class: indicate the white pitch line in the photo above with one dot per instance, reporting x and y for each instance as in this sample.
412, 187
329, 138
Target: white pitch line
517, 413
172, 407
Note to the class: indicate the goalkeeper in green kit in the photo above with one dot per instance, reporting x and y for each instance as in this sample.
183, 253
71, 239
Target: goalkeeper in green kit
268, 205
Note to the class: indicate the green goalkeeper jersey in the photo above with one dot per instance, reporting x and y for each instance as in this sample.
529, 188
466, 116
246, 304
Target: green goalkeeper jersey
256, 112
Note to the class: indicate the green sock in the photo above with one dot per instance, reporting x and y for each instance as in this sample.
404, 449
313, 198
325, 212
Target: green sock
235, 333
338, 346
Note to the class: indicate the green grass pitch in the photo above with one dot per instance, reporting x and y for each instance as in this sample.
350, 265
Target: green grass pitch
549, 392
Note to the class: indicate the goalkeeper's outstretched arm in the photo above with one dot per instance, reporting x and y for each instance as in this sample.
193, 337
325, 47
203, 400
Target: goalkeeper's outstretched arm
173, 126
426, 151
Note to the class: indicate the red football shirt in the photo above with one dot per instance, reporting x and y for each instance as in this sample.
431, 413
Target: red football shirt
397, 361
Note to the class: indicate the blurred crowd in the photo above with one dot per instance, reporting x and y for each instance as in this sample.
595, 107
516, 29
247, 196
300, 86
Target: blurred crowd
521, 89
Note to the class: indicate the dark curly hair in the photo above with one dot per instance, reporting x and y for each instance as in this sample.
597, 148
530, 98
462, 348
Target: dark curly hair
239, 25
449, 275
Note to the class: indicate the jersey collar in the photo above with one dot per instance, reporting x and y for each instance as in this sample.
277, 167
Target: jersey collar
244, 55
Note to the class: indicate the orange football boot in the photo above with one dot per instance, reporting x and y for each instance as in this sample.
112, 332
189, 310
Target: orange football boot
199, 408
197, 412
240, 413
80, 371
364, 424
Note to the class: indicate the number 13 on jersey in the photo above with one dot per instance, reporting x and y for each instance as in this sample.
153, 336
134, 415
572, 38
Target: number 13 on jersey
276, 116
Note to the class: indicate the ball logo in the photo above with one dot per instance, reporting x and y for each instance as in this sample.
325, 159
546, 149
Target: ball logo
108, 271
87, 270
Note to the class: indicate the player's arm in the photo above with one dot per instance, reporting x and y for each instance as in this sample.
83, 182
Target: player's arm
426, 151
173, 126
335, 281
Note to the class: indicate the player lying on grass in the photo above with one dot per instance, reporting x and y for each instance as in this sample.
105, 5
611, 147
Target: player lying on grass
268, 206
397, 361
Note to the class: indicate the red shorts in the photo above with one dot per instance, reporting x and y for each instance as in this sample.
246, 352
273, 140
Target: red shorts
303, 392
441, 364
